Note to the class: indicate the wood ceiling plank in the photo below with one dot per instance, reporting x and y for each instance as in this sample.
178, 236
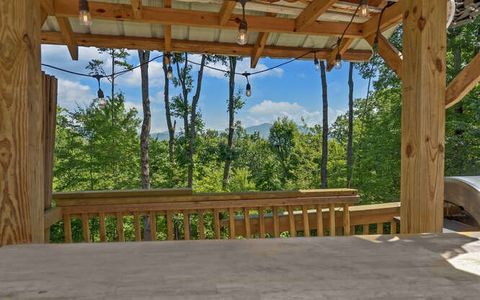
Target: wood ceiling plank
311, 13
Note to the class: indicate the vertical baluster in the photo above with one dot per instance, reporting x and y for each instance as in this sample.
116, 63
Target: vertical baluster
306, 224
216, 223
346, 220
201, 225
120, 231
379, 228
291, 220
276, 224
67, 228
170, 225
186, 225
136, 224
102, 229
246, 218
331, 213
352, 229
319, 221
231, 217
366, 229
261, 222
85, 228
393, 227
153, 225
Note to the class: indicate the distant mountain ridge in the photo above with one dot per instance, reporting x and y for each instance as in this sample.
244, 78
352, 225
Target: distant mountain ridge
262, 129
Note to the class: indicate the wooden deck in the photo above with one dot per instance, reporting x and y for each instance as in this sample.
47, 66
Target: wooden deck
445, 266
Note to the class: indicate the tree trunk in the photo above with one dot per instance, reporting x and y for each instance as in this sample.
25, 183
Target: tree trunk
231, 120
193, 120
323, 170
168, 114
144, 57
350, 127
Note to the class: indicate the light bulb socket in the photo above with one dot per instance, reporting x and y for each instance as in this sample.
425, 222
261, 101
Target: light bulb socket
100, 94
83, 5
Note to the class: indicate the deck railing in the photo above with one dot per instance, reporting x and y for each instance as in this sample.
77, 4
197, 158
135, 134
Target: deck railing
179, 214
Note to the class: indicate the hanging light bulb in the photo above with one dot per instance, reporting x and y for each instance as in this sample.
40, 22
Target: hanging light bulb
338, 61
170, 72
101, 102
242, 36
100, 95
364, 11
248, 90
316, 62
84, 13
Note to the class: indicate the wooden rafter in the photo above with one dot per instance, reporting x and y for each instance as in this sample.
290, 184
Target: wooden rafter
311, 13
341, 49
68, 36
463, 83
111, 41
48, 9
390, 54
137, 8
391, 16
258, 48
226, 11
171, 16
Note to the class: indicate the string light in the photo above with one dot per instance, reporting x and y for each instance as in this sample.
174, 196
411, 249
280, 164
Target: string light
170, 72
248, 88
338, 61
242, 36
100, 95
364, 11
316, 62
84, 13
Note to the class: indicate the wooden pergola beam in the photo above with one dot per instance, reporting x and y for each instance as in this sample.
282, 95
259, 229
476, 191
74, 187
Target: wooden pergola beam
344, 44
258, 48
68, 36
226, 11
463, 83
111, 41
311, 13
171, 16
137, 8
391, 16
423, 116
390, 54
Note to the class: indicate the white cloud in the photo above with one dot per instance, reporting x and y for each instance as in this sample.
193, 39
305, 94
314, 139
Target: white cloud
72, 94
268, 111
134, 79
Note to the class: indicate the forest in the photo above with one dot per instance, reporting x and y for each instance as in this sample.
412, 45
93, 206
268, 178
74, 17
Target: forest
106, 146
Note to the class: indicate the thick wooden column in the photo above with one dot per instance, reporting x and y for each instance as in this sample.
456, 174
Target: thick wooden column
21, 130
423, 115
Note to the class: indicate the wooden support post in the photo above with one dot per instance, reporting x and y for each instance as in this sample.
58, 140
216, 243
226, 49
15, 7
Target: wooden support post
21, 114
331, 216
346, 220
423, 115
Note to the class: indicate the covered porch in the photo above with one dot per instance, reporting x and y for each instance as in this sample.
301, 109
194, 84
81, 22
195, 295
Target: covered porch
392, 250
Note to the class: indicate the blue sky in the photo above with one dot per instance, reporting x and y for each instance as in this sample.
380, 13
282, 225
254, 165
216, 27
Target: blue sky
294, 90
